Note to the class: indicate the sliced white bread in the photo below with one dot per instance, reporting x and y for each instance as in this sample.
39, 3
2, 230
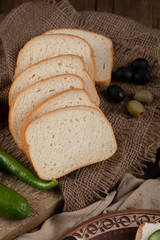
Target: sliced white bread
30, 97
146, 229
47, 46
63, 99
67, 64
102, 48
67, 139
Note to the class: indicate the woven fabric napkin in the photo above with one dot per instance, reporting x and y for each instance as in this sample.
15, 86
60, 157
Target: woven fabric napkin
132, 193
138, 139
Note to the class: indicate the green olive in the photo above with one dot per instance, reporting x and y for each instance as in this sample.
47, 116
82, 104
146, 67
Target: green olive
135, 108
143, 95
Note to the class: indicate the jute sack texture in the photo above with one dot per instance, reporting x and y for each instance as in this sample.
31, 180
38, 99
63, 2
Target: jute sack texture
138, 139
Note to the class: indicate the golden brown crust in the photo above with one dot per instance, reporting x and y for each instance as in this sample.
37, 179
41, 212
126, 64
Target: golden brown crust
80, 106
81, 30
104, 82
10, 123
26, 121
93, 87
61, 34
47, 179
61, 56
94, 71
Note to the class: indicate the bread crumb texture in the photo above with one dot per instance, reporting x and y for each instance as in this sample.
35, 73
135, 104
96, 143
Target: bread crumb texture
67, 139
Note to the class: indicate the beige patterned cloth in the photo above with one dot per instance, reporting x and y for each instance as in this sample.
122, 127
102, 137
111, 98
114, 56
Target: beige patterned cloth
138, 139
132, 193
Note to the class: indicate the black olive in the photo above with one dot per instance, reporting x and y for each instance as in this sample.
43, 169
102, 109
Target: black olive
124, 74
139, 63
142, 76
115, 93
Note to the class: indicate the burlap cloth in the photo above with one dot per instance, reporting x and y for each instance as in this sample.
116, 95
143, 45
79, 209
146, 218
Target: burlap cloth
138, 139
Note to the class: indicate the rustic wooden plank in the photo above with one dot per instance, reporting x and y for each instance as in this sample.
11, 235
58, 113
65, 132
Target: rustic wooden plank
104, 5
43, 203
80, 5
139, 10
83, 5
144, 11
156, 14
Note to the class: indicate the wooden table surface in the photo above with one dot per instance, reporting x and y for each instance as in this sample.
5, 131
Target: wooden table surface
144, 11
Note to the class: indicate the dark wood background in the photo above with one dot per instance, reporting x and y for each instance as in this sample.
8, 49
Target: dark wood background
144, 11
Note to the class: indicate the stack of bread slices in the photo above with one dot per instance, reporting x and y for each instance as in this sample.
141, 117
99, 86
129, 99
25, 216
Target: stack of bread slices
54, 115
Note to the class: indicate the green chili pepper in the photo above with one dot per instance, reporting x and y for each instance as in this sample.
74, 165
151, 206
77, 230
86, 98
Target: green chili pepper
12, 204
13, 166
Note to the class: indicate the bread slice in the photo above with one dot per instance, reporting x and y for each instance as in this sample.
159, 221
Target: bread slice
30, 97
102, 49
67, 139
47, 46
67, 64
146, 229
63, 99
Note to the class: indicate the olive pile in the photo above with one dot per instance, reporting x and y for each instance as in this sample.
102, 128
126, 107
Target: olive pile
137, 74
